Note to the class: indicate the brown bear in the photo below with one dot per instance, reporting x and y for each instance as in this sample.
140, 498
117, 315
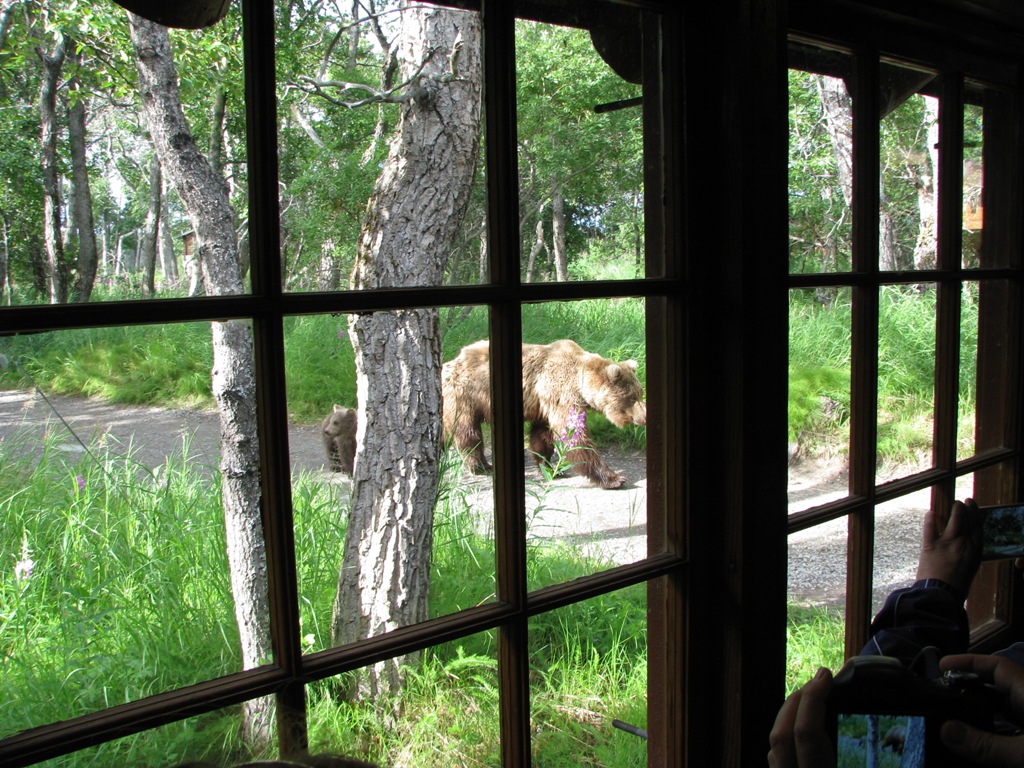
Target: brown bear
339, 435
561, 381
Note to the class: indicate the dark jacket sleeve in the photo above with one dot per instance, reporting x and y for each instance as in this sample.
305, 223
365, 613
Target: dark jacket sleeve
929, 613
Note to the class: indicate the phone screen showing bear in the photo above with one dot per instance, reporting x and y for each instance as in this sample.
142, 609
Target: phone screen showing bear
1003, 532
880, 740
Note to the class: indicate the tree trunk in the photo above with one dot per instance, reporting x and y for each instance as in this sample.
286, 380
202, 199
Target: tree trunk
56, 267
5, 258
838, 110
412, 223
81, 200
926, 249
151, 229
168, 258
538, 246
558, 235
40, 273
205, 197
220, 105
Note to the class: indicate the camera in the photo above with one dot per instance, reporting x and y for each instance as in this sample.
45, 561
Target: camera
1002, 532
879, 713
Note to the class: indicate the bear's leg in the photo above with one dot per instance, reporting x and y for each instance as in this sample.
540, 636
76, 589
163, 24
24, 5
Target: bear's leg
346, 454
331, 447
542, 443
469, 439
587, 461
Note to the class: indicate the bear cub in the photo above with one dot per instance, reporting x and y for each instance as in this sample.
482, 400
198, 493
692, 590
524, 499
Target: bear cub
339, 435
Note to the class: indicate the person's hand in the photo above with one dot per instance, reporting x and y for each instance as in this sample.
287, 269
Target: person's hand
973, 744
953, 554
798, 738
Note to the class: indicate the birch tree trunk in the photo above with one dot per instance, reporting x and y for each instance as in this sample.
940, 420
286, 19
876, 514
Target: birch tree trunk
81, 201
413, 218
168, 259
205, 197
926, 248
151, 229
838, 110
52, 237
558, 235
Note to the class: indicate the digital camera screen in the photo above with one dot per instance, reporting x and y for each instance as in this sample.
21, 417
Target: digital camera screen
885, 741
1002, 532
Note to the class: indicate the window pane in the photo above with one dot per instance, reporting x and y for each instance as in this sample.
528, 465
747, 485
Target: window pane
113, 525
446, 714
909, 168
906, 376
898, 530
814, 638
820, 162
968, 390
817, 566
897, 544
987, 602
589, 665
118, 225
819, 395
213, 738
974, 181
580, 129
586, 486
381, 173
386, 518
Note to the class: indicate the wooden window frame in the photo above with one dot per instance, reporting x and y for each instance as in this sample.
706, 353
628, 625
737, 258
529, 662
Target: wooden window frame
715, 137
995, 602
266, 307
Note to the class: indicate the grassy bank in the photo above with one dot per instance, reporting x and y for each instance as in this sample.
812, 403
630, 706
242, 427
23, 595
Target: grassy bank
115, 586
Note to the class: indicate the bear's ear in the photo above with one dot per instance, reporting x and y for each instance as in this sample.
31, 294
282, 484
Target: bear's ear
631, 364
612, 371
339, 408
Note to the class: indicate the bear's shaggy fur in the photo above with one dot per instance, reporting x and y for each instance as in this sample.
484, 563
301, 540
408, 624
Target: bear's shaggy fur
560, 380
339, 434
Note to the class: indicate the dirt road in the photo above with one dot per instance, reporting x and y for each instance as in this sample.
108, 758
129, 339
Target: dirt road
611, 524
571, 508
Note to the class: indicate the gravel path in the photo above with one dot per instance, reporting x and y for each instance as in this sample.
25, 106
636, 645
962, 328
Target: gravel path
611, 524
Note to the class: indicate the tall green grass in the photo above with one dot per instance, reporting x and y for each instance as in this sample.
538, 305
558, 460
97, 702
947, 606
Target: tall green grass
815, 638
128, 594
820, 369
114, 582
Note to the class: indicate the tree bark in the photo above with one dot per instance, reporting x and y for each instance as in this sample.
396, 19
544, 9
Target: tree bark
538, 246
52, 238
838, 110
85, 276
413, 219
5, 258
926, 248
168, 259
151, 229
205, 197
558, 235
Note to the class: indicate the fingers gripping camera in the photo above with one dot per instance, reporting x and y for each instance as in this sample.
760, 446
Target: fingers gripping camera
877, 706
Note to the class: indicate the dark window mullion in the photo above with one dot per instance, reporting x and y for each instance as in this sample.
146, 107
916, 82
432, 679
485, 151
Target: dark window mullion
268, 339
948, 259
667, 508
863, 346
506, 377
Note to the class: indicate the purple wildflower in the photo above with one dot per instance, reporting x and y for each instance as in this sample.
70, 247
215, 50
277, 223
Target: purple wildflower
80, 481
575, 428
23, 568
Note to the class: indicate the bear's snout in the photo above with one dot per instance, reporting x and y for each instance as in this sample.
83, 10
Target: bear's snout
640, 414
